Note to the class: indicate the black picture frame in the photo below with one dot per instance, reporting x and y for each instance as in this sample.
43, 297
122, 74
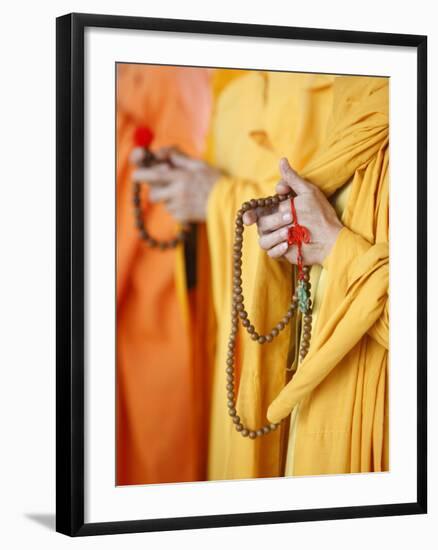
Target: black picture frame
70, 273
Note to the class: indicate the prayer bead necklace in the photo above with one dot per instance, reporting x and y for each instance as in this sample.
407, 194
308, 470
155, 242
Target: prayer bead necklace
143, 137
144, 233
300, 301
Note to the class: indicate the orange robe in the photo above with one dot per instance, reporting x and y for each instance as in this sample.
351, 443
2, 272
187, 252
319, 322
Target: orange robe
159, 435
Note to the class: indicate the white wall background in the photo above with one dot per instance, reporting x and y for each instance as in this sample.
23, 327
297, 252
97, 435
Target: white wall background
27, 273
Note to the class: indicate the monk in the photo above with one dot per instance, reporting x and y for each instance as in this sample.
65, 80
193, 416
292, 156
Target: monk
334, 131
333, 404
159, 436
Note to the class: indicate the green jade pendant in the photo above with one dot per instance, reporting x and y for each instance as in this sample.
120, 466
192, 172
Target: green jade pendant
303, 296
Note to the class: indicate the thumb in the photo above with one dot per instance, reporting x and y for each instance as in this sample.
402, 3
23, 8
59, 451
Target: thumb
180, 160
295, 182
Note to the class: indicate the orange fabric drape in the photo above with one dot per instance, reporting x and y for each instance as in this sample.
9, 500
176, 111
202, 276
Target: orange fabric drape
158, 431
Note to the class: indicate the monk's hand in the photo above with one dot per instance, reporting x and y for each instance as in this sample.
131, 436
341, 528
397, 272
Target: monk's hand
313, 211
183, 184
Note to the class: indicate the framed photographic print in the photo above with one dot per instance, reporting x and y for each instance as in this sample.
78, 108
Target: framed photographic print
241, 274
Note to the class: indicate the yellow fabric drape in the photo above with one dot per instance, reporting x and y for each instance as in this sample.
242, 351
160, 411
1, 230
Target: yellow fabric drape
318, 282
332, 129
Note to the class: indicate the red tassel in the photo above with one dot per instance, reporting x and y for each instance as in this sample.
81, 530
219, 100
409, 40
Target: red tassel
297, 234
143, 137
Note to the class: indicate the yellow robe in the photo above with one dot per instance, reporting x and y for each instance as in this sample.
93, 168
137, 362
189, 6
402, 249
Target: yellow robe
332, 129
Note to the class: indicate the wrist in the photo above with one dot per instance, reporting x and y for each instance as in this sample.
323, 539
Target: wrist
331, 237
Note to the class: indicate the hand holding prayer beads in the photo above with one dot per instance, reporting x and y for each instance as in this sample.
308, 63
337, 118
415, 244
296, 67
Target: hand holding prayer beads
300, 300
183, 184
315, 213
142, 156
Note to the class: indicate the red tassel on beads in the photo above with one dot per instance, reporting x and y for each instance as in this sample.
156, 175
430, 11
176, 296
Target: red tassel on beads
297, 234
143, 137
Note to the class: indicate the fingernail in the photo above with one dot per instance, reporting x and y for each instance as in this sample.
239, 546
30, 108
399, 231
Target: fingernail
287, 217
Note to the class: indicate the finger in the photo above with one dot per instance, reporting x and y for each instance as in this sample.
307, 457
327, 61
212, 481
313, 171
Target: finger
155, 174
161, 194
297, 184
266, 224
180, 160
269, 240
164, 153
137, 155
282, 188
250, 217
278, 250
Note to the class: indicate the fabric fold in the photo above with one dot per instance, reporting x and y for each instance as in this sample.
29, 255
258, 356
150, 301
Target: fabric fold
367, 283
